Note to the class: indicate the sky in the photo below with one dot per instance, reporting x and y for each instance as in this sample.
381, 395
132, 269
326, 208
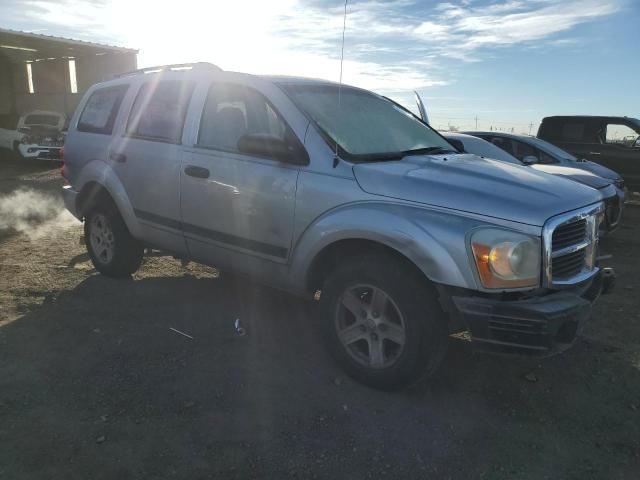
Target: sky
500, 64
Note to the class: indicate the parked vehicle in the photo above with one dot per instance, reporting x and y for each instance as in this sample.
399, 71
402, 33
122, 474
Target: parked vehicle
357, 204
611, 141
533, 152
42, 135
10, 137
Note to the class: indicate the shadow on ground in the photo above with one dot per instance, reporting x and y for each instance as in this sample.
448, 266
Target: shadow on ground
94, 384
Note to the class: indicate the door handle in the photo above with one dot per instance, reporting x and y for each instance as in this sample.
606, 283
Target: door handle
198, 172
595, 153
118, 157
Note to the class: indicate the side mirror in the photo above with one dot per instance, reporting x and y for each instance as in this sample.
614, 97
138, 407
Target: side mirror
265, 145
529, 160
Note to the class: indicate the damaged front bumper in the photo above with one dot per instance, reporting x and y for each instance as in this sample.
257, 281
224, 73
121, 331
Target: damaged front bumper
542, 325
39, 152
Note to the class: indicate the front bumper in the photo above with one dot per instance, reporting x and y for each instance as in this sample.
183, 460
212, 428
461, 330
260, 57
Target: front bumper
39, 152
536, 325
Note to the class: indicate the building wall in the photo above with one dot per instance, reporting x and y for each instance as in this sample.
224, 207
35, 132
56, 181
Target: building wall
6, 90
51, 82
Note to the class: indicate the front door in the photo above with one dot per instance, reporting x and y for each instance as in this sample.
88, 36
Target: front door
237, 209
619, 152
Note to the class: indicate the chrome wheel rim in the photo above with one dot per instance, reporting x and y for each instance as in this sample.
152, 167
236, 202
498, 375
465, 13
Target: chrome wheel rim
101, 238
370, 326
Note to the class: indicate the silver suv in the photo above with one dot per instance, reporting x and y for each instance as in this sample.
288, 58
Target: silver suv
336, 194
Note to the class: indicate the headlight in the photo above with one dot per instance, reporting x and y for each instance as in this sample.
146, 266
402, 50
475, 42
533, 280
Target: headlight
506, 259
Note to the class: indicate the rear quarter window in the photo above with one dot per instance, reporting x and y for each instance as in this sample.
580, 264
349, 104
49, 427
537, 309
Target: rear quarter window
100, 111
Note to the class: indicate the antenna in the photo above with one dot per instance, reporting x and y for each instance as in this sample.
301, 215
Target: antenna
344, 27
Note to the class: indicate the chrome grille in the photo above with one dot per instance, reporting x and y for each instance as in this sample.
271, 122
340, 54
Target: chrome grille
570, 246
566, 266
569, 234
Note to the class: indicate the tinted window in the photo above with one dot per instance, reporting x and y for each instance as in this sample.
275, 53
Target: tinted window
550, 129
101, 109
159, 110
503, 143
521, 150
232, 111
573, 132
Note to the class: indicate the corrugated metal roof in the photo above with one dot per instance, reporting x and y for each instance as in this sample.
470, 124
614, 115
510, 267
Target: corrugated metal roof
32, 46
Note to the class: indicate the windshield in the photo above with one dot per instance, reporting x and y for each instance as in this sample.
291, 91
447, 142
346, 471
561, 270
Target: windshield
364, 124
42, 119
551, 149
636, 123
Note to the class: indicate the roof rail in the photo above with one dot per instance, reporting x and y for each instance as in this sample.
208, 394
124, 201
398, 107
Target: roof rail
175, 66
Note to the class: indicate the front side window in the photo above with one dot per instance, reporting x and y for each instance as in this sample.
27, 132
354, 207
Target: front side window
100, 111
232, 111
522, 150
159, 110
619, 134
363, 124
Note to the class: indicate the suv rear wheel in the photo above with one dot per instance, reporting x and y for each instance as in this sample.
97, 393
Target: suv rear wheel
113, 251
383, 322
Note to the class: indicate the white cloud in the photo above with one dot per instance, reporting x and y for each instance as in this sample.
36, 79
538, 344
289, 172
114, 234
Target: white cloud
390, 45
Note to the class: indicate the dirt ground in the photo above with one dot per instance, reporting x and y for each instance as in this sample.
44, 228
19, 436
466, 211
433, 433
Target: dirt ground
95, 385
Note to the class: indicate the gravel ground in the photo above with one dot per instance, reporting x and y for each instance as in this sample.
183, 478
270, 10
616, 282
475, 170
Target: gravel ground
95, 384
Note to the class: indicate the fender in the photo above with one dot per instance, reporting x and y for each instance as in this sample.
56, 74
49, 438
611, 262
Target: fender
102, 173
433, 240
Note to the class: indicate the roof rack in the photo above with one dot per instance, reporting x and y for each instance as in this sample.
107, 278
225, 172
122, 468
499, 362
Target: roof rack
174, 67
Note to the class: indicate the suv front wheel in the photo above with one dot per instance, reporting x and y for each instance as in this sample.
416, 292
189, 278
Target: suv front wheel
113, 251
382, 321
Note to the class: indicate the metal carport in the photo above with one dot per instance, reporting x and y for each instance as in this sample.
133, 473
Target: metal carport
51, 86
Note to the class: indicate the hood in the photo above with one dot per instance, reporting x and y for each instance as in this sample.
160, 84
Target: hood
576, 174
476, 185
597, 169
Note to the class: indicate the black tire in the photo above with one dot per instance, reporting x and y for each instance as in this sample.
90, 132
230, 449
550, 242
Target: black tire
422, 318
126, 251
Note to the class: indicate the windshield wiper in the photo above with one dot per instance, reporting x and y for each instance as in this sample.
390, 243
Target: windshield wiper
428, 150
389, 156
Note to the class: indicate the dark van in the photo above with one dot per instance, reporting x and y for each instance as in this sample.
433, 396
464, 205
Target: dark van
611, 141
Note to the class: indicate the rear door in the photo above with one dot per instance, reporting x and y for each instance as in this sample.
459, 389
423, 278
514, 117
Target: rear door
237, 209
147, 158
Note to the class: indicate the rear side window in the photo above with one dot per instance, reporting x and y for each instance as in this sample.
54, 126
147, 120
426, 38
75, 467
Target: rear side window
159, 110
573, 132
232, 111
101, 109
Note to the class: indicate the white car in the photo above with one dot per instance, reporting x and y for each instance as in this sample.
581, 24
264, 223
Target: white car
10, 139
42, 135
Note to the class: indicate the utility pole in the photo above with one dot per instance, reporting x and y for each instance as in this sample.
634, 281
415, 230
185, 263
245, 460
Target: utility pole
530, 127
476, 122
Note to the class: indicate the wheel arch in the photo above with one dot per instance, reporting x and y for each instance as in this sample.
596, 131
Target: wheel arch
98, 182
330, 256
429, 243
